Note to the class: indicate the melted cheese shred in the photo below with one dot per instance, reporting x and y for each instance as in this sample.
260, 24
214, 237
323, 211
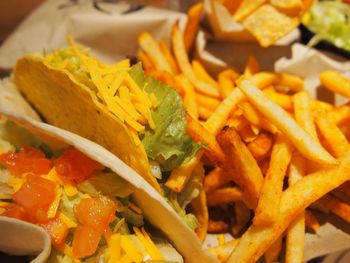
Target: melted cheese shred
115, 89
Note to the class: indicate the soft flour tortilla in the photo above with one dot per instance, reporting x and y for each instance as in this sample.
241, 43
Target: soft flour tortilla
21, 238
155, 208
64, 103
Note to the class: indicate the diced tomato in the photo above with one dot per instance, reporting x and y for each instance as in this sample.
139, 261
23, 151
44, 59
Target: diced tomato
96, 212
28, 160
16, 211
36, 195
85, 241
57, 230
75, 167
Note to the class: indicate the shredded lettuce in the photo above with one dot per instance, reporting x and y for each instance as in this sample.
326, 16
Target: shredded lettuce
168, 144
329, 21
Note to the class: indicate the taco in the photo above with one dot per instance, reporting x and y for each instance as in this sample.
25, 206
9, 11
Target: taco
93, 206
137, 118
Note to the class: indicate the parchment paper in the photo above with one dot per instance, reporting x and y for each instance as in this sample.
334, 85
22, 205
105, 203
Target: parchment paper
109, 29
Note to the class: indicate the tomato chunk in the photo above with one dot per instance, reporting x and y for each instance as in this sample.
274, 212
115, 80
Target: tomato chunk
75, 167
28, 160
35, 195
16, 211
85, 241
96, 212
57, 230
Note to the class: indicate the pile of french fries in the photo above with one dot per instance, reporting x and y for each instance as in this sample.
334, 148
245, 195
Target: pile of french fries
267, 20
272, 154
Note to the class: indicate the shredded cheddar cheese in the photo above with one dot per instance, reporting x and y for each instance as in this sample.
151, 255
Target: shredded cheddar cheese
52, 211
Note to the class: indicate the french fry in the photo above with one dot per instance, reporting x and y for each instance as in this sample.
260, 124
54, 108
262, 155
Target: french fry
168, 79
217, 226
169, 56
335, 82
151, 47
254, 117
340, 115
294, 200
201, 134
147, 63
268, 25
226, 81
200, 210
276, 115
204, 113
311, 221
303, 113
191, 29
333, 139
246, 8
345, 189
202, 74
231, 5
268, 206
252, 66
241, 166
243, 215
261, 146
185, 66
283, 100
336, 206
223, 252
264, 79
215, 179
271, 255
181, 174
189, 97
224, 196
321, 105
207, 102
296, 230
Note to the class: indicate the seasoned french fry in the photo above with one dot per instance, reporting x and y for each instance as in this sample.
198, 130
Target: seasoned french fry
333, 139
301, 140
201, 134
296, 230
189, 97
147, 63
254, 117
185, 66
217, 226
200, 210
268, 206
303, 113
261, 146
202, 74
191, 29
241, 166
335, 82
264, 79
283, 100
336, 206
207, 102
321, 105
252, 66
224, 196
226, 81
169, 56
204, 113
340, 115
215, 179
271, 255
243, 216
290, 7
311, 221
151, 47
168, 79
294, 200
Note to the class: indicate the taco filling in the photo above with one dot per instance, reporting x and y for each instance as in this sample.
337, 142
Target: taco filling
84, 207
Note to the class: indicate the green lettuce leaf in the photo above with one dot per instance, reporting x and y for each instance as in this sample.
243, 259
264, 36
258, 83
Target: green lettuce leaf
168, 144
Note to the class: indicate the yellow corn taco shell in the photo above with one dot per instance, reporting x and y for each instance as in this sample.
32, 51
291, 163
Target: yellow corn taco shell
72, 106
